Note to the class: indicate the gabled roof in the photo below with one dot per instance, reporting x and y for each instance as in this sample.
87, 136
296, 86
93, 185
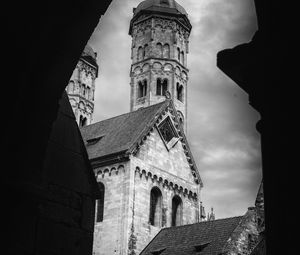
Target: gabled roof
123, 134
204, 238
119, 133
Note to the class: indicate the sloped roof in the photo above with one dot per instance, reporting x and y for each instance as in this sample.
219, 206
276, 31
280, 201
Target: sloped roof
123, 134
208, 236
119, 133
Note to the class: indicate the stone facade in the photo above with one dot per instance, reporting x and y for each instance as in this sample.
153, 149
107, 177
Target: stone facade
245, 236
126, 228
81, 87
160, 44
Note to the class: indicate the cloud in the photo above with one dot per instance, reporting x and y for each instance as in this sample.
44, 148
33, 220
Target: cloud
221, 123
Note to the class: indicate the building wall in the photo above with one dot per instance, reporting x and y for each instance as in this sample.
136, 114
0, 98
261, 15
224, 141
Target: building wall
126, 228
111, 235
154, 166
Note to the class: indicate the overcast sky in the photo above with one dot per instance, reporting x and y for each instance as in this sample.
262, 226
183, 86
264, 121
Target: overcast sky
221, 124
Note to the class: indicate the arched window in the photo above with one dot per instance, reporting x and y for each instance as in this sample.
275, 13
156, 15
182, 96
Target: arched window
88, 94
100, 203
161, 87
145, 88
159, 50
82, 121
140, 53
71, 87
182, 57
158, 87
180, 116
83, 89
145, 52
178, 54
155, 216
166, 51
164, 87
176, 211
179, 89
142, 89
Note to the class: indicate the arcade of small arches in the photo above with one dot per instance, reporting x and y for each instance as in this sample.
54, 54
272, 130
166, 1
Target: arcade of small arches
181, 75
164, 183
159, 51
84, 90
115, 170
161, 89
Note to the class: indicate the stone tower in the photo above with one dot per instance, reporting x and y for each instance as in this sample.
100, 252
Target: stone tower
160, 32
81, 87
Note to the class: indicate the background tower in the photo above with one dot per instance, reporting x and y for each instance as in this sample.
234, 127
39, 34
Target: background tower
160, 32
81, 87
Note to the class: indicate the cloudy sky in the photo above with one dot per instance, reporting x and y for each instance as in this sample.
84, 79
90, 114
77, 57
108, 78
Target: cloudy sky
221, 124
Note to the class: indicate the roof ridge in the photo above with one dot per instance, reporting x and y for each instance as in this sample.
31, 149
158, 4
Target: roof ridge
201, 222
126, 113
149, 123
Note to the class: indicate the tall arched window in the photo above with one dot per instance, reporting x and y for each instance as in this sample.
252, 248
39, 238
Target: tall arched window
140, 54
71, 87
88, 94
176, 211
179, 89
159, 50
145, 52
83, 89
155, 216
164, 87
182, 57
166, 51
178, 54
142, 89
100, 203
161, 87
82, 121
158, 87
145, 88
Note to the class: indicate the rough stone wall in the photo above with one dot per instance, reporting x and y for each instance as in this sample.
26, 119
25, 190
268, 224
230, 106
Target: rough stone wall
169, 171
245, 236
112, 234
156, 63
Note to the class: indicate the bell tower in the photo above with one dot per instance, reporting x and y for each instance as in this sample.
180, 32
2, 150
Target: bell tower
160, 32
81, 87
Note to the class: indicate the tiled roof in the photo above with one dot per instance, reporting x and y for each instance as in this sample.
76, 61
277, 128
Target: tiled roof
204, 238
119, 134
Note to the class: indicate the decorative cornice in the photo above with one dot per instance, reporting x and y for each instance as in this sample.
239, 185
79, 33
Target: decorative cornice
109, 171
171, 185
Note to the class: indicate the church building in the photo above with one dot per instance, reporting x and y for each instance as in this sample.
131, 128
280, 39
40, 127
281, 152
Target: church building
142, 161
